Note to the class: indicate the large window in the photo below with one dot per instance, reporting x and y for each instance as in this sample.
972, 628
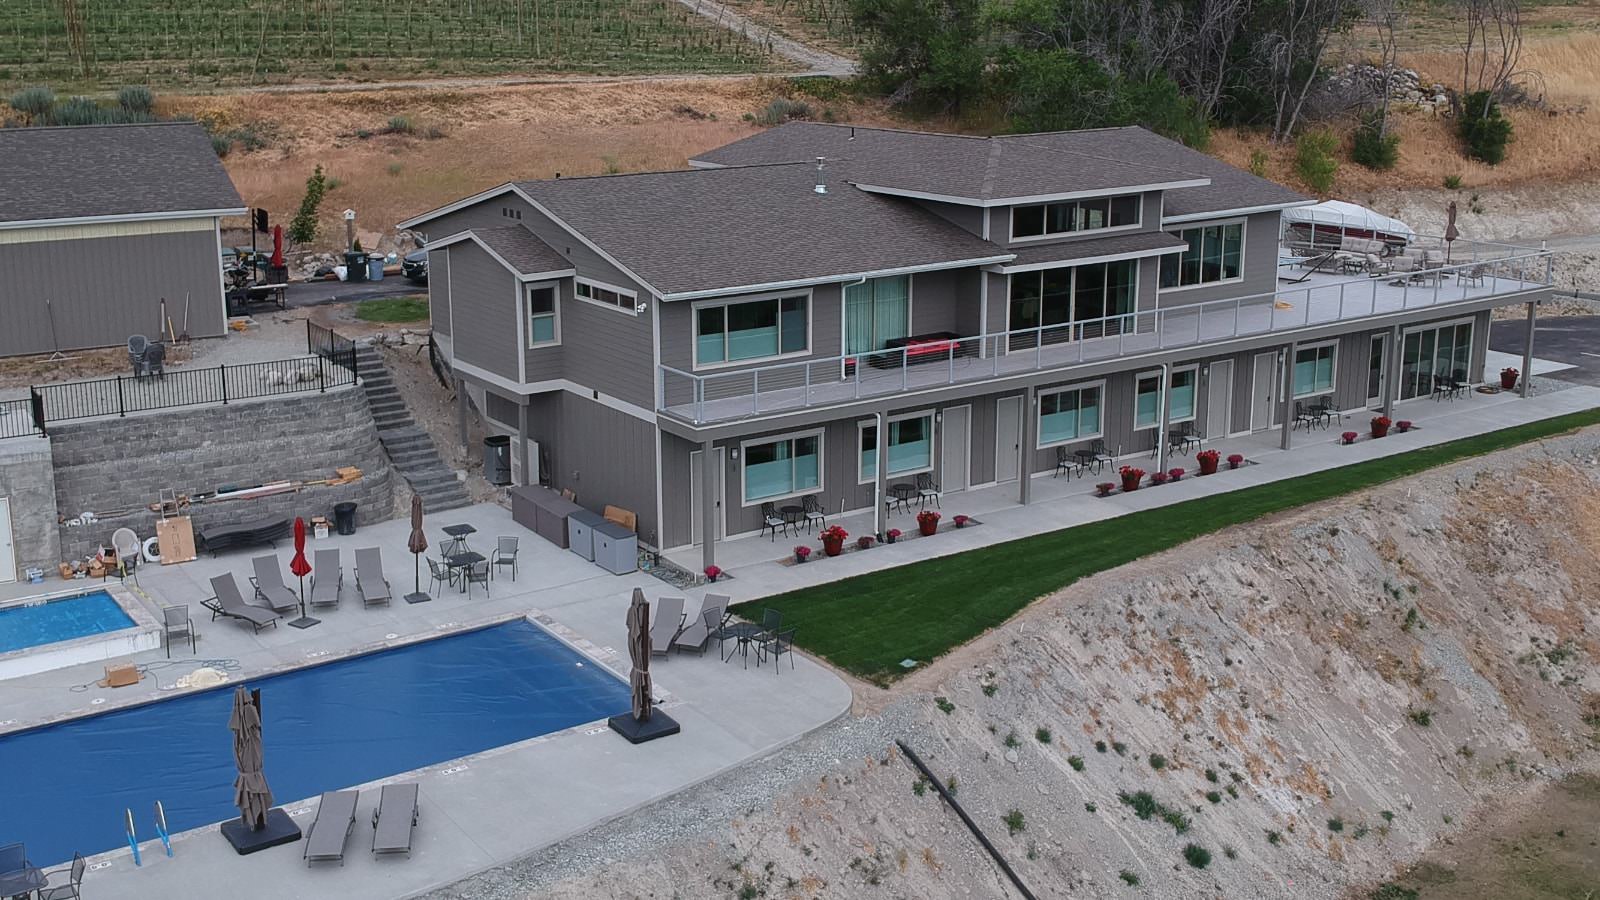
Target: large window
910, 447
1071, 216
743, 330
1215, 254
1070, 414
542, 316
1089, 293
605, 294
783, 467
1313, 369
1437, 350
1147, 397
876, 311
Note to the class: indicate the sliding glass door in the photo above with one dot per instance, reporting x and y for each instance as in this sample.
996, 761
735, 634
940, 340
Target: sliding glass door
1444, 350
876, 312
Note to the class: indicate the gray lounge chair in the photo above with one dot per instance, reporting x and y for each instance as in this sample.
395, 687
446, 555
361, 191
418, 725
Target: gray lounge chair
325, 587
374, 588
268, 582
394, 818
336, 818
230, 603
696, 632
666, 620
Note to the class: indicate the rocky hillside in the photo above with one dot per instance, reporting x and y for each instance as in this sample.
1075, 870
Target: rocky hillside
1309, 702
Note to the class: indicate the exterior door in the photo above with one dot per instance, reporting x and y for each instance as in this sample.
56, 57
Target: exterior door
1007, 438
8, 552
1377, 367
1219, 399
955, 450
696, 495
1263, 391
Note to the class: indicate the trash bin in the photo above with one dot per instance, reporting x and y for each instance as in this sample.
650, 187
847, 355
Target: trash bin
497, 459
375, 267
344, 518
355, 266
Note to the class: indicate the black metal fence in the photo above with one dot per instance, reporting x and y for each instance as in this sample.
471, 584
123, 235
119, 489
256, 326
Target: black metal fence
331, 345
125, 394
17, 419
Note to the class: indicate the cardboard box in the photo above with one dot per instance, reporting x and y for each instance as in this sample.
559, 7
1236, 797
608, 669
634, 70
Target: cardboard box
121, 675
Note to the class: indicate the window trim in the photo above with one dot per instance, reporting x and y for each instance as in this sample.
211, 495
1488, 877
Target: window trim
694, 326
1333, 378
631, 309
933, 425
1244, 254
1166, 389
1038, 413
1435, 326
822, 460
1072, 306
1011, 225
527, 314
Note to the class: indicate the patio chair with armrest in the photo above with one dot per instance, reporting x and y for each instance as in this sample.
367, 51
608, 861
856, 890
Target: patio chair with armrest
1184, 438
696, 633
772, 521
1102, 456
1325, 409
155, 360
1065, 462
14, 857
477, 573
928, 489
69, 890
1443, 388
137, 344
1303, 415
175, 622
1474, 275
268, 582
126, 542
227, 601
439, 574
813, 512
778, 643
505, 554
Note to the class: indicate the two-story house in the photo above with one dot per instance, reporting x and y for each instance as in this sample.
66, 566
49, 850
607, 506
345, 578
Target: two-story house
817, 312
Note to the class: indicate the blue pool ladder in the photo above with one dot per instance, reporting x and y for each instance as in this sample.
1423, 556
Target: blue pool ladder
161, 828
133, 837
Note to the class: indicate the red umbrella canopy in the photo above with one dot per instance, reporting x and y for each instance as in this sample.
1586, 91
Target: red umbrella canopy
298, 565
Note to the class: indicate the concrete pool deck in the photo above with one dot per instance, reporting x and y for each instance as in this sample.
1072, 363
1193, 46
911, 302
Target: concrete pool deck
476, 812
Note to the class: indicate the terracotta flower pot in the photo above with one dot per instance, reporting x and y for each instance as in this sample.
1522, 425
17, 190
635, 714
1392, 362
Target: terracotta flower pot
1379, 431
1508, 380
1131, 482
928, 528
1208, 465
833, 546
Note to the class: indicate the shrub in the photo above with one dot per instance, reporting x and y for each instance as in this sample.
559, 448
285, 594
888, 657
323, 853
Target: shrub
1014, 821
1452, 182
1391, 891
1258, 162
77, 111
1076, 762
1099, 746
1042, 735
1483, 129
1129, 877
783, 110
1213, 796
1313, 159
944, 704
1374, 148
1197, 856
398, 125
34, 102
1335, 825
1423, 717
136, 98
1157, 761
303, 228
221, 144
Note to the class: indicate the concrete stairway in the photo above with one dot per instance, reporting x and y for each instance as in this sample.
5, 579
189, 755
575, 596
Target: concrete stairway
409, 447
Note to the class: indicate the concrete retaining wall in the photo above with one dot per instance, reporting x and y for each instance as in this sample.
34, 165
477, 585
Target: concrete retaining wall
111, 466
28, 481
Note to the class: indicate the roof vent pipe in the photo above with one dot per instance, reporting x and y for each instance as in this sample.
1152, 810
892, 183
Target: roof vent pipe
821, 188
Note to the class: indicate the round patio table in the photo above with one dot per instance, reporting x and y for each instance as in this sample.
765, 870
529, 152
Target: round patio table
743, 633
21, 882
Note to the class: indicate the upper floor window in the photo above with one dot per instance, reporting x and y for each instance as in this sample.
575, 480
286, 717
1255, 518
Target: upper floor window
727, 331
1095, 293
1070, 216
1215, 255
595, 292
542, 316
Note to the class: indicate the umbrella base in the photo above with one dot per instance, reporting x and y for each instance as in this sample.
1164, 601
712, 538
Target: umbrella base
304, 622
280, 829
659, 725
418, 598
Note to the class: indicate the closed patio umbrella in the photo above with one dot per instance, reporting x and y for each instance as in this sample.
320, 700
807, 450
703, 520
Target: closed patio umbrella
250, 791
1450, 230
418, 545
299, 567
639, 654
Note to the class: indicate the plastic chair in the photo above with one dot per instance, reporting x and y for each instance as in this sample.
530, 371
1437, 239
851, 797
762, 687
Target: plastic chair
175, 622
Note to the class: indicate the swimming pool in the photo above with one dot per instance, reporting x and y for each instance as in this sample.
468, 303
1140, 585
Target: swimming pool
325, 727
50, 621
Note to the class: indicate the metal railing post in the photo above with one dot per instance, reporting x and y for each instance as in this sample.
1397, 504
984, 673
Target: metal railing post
905, 366
808, 384
699, 400
855, 373
122, 409
222, 371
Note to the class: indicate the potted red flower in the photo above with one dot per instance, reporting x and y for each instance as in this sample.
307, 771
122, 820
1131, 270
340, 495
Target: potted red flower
712, 572
1158, 478
1105, 488
892, 535
1508, 378
1235, 460
1380, 425
1208, 461
961, 521
802, 553
1349, 437
1404, 425
864, 542
833, 540
927, 522
1130, 477
1175, 474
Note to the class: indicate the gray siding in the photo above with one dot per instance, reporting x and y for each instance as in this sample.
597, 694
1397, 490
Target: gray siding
938, 301
102, 290
1260, 264
607, 457
484, 311
677, 506
827, 330
439, 290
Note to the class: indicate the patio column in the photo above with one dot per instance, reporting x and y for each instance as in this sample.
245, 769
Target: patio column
522, 443
1030, 427
1287, 428
1166, 417
708, 506
1527, 348
461, 412
1391, 375
880, 484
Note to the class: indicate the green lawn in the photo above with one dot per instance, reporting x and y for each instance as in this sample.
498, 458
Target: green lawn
393, 309
869, 623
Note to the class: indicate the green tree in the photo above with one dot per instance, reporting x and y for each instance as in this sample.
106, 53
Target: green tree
1056, 90
303, 228
929, 52
1484, 130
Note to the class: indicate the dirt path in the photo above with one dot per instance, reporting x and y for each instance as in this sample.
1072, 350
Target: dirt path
466, 83
816, 61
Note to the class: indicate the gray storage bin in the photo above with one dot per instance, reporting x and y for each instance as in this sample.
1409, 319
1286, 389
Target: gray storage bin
580, 532
616, 549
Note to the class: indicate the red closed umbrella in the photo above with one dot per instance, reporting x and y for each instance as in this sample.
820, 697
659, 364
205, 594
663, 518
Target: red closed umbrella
277, 245
299, 567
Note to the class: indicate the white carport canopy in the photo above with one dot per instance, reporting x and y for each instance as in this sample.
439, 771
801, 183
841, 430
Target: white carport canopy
1337, 214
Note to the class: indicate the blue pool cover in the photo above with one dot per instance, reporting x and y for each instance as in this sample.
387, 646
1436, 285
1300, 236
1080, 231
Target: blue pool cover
60, 620
63, 787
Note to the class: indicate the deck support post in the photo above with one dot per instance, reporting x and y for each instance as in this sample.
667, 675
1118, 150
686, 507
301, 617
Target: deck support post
1391, 375
461, 413
1527, 349
1030, 425
1287, 427
528, 477
1163, 448
708, 505
880, 483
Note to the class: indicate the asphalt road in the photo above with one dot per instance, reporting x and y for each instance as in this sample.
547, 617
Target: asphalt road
1574, 340
316, 293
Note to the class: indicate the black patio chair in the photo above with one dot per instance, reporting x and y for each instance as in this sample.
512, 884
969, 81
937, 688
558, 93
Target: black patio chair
1183, 438
771, 520
1326, 410
813, 512
175, 622
928, 489
1303, 415
1463, 387
776, 644
69, 890
477, 573
1102, 456
439, 574
1065, 463
1443, 388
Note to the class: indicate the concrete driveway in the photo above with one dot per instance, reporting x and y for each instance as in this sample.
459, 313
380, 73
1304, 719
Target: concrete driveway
1568, 341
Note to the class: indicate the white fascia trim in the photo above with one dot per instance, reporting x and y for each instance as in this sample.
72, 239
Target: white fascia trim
702, 164
521, 275
1229, 213
453, 207
829, 279
128, 217
599, 251
1087, 260
554, 384
1032, 198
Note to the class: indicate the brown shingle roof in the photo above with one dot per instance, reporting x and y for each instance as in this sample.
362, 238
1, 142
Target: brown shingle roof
110, 170
522, 249
706, 230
